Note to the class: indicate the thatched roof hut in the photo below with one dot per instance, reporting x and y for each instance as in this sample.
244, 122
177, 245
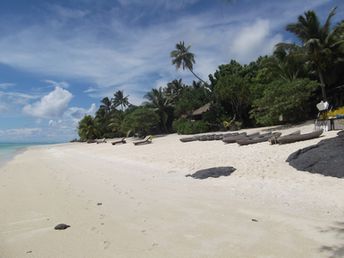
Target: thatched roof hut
200, 111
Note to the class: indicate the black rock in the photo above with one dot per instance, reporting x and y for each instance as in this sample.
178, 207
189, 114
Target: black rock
324, 158
61, 226
212, 172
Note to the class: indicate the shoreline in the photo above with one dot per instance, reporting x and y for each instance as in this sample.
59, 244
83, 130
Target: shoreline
135, 201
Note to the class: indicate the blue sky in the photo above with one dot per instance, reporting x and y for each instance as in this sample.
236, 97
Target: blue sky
58, 59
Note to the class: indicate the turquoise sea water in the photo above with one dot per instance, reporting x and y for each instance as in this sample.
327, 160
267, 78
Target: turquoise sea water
9, 150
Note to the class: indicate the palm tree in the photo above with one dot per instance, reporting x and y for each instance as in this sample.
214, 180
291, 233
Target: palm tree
115, 121
120, 100
106, 105
181, 57
174, 89
288, 62
160, 103
87, 128
320, 41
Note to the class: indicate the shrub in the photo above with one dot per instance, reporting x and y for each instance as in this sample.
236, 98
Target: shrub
141, 121
184, 126
288, 99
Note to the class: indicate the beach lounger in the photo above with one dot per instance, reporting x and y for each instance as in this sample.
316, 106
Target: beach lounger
299, 137
121, 141
146, 140
101, 141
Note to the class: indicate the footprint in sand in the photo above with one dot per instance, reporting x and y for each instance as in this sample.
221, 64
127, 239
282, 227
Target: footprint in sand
106, 244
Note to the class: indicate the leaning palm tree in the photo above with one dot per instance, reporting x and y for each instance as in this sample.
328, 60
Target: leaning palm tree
160, 103
322, 43
120, 100
182, 57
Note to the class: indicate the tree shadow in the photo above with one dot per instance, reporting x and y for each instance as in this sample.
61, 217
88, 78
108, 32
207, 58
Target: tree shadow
334, 251
324, 158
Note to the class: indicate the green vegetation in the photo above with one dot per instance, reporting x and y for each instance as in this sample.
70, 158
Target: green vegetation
185, 126
141, 121
281, 88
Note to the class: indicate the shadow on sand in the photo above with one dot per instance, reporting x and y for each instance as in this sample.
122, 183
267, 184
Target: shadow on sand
324, 158
212, 172
334, 251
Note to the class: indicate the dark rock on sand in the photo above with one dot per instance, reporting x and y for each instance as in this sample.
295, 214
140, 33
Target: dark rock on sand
212, 172
324, 158
61, 226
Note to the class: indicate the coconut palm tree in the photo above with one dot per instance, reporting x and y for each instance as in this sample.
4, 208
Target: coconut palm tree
106, 105
174, 89
321, 42
182, 57
120, 100
288, 62
87, 128
160, 103
115, 121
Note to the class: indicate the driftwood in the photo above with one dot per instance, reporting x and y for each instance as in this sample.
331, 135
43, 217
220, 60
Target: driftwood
260, 138
235, 138
188, 139
203, 137
299, 137
230, 134
274, 139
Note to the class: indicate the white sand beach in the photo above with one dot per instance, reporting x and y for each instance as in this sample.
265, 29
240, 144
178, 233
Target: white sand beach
135, 201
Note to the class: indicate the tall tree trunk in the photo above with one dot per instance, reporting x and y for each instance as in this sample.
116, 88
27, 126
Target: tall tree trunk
198, 77
322, 85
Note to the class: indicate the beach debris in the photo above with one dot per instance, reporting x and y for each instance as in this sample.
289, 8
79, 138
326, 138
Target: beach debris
61, 226
29, 252
212, 172
254, 220
99, 203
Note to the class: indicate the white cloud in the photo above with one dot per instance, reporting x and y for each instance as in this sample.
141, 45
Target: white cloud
72, 116
20, 132
51, 105
3, 108
165, 4
6, 85
11, 102
254, 38
136, 58
61, 84
68, 13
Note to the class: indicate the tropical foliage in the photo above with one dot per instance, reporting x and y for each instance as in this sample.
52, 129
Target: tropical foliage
280, 88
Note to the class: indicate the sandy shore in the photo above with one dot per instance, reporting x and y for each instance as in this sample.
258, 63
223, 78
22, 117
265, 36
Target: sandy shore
135, 201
